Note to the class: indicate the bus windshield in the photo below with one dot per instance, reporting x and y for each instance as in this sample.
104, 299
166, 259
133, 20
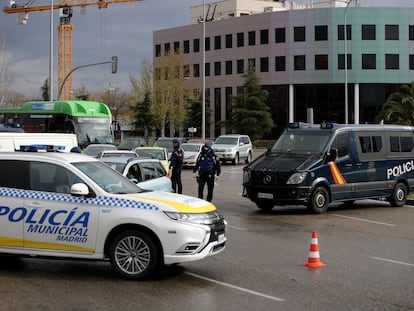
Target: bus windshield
302, 142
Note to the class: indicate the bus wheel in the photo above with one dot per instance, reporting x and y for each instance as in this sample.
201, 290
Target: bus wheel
399, 195
319, 201
133, 255
265, 205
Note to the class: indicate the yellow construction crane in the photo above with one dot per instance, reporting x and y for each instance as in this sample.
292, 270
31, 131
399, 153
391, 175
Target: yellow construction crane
65, 29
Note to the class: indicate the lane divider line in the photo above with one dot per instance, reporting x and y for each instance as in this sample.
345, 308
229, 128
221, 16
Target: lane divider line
234, 287
393, 261
364, 220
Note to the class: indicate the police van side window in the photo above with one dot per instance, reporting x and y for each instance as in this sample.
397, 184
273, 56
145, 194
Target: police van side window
370, 144
13, 174
342, 144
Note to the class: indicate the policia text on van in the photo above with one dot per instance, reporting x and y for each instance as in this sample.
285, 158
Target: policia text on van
315, 165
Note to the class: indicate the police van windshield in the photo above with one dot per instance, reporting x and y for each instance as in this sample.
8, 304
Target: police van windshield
107, 178
301, 142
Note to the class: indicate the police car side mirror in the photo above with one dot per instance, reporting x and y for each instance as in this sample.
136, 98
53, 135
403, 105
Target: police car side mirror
79, 189
331, 155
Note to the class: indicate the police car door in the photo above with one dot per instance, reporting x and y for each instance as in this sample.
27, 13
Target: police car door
58, 221
13, 179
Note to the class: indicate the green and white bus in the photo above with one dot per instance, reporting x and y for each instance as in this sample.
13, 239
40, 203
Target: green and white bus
90, 121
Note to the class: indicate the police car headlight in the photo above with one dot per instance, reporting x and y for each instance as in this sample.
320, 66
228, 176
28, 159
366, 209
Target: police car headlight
297, 178
199, 218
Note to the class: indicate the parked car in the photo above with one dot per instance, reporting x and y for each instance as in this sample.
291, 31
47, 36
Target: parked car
191, 152
148, 174
94, 149
158, 153
131, 143
233, 147
117, 153
166, 142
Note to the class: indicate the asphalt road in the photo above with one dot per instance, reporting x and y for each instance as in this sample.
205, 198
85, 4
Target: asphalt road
368, 250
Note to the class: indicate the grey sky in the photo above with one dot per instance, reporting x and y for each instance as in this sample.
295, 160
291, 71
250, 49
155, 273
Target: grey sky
123, 29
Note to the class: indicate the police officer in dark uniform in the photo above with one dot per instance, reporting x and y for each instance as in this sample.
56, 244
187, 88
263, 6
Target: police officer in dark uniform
176, 164
208, 166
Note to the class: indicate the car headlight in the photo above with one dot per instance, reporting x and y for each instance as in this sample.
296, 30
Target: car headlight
297, 178
195, 218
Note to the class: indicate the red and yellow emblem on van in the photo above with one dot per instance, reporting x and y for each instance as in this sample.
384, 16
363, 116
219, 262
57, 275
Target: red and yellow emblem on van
336, 174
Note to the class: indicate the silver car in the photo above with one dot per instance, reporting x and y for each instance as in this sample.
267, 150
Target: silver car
191, 152
148, 174
233, 147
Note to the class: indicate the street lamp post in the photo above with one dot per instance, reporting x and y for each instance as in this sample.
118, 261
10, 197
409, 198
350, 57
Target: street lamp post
346, 62
203, 92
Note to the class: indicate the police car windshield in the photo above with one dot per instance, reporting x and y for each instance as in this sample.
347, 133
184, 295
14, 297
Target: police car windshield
107, 178
301, 142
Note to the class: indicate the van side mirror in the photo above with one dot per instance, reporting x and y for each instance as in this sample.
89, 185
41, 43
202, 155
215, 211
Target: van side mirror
331, 155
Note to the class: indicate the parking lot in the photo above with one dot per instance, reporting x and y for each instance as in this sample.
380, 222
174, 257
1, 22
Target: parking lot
368, 249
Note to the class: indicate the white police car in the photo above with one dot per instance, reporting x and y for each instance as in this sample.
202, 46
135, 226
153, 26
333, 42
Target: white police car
75, 206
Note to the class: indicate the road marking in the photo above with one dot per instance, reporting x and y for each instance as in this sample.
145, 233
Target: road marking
235, 287
365, 220
394, 261
238, 228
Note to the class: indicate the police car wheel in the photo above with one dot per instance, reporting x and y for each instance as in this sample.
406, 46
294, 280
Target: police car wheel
133, 254
399, 195
319, 201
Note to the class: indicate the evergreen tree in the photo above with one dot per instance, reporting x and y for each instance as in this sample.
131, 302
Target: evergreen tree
250, 114
45, 90
399, 107
143, 118
194, 115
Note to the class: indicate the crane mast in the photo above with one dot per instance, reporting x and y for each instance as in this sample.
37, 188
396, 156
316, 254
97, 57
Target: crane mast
65, 30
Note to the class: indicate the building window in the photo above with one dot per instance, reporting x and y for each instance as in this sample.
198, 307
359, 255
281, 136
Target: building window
251, 63
411, 32
196, 45
217, 68
369, 61
321, 62
207, 44
299, 34
392, 61
217, 109
196, 70
217, 42
229, 41
240, 66
157, 50
186, 71
229, 67
264, 36
186, 46
411, 61
229, 104
280, 63
341, 32
252, 37
264, 64
240, 39
167, 48
207, 69
368, 32
341, 61
321, 33
299, 62
280, 35
176, 47
391, 32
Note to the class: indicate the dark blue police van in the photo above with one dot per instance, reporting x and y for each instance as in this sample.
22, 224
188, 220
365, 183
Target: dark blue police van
314, 165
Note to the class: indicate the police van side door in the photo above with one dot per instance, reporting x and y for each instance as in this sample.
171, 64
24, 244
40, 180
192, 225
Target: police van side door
13, 179
58, 221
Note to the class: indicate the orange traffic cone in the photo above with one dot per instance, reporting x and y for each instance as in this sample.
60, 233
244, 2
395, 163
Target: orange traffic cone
314, 259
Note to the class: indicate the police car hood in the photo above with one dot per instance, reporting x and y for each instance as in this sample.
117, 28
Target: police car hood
172, 202
285, 162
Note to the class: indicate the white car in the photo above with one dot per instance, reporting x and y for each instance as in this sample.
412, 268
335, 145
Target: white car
233, 147
191, 153
70, 205
117, 153
147, 173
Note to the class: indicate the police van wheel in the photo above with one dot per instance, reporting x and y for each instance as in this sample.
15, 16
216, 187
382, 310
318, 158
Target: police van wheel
399, 195
319, 201
133, 255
